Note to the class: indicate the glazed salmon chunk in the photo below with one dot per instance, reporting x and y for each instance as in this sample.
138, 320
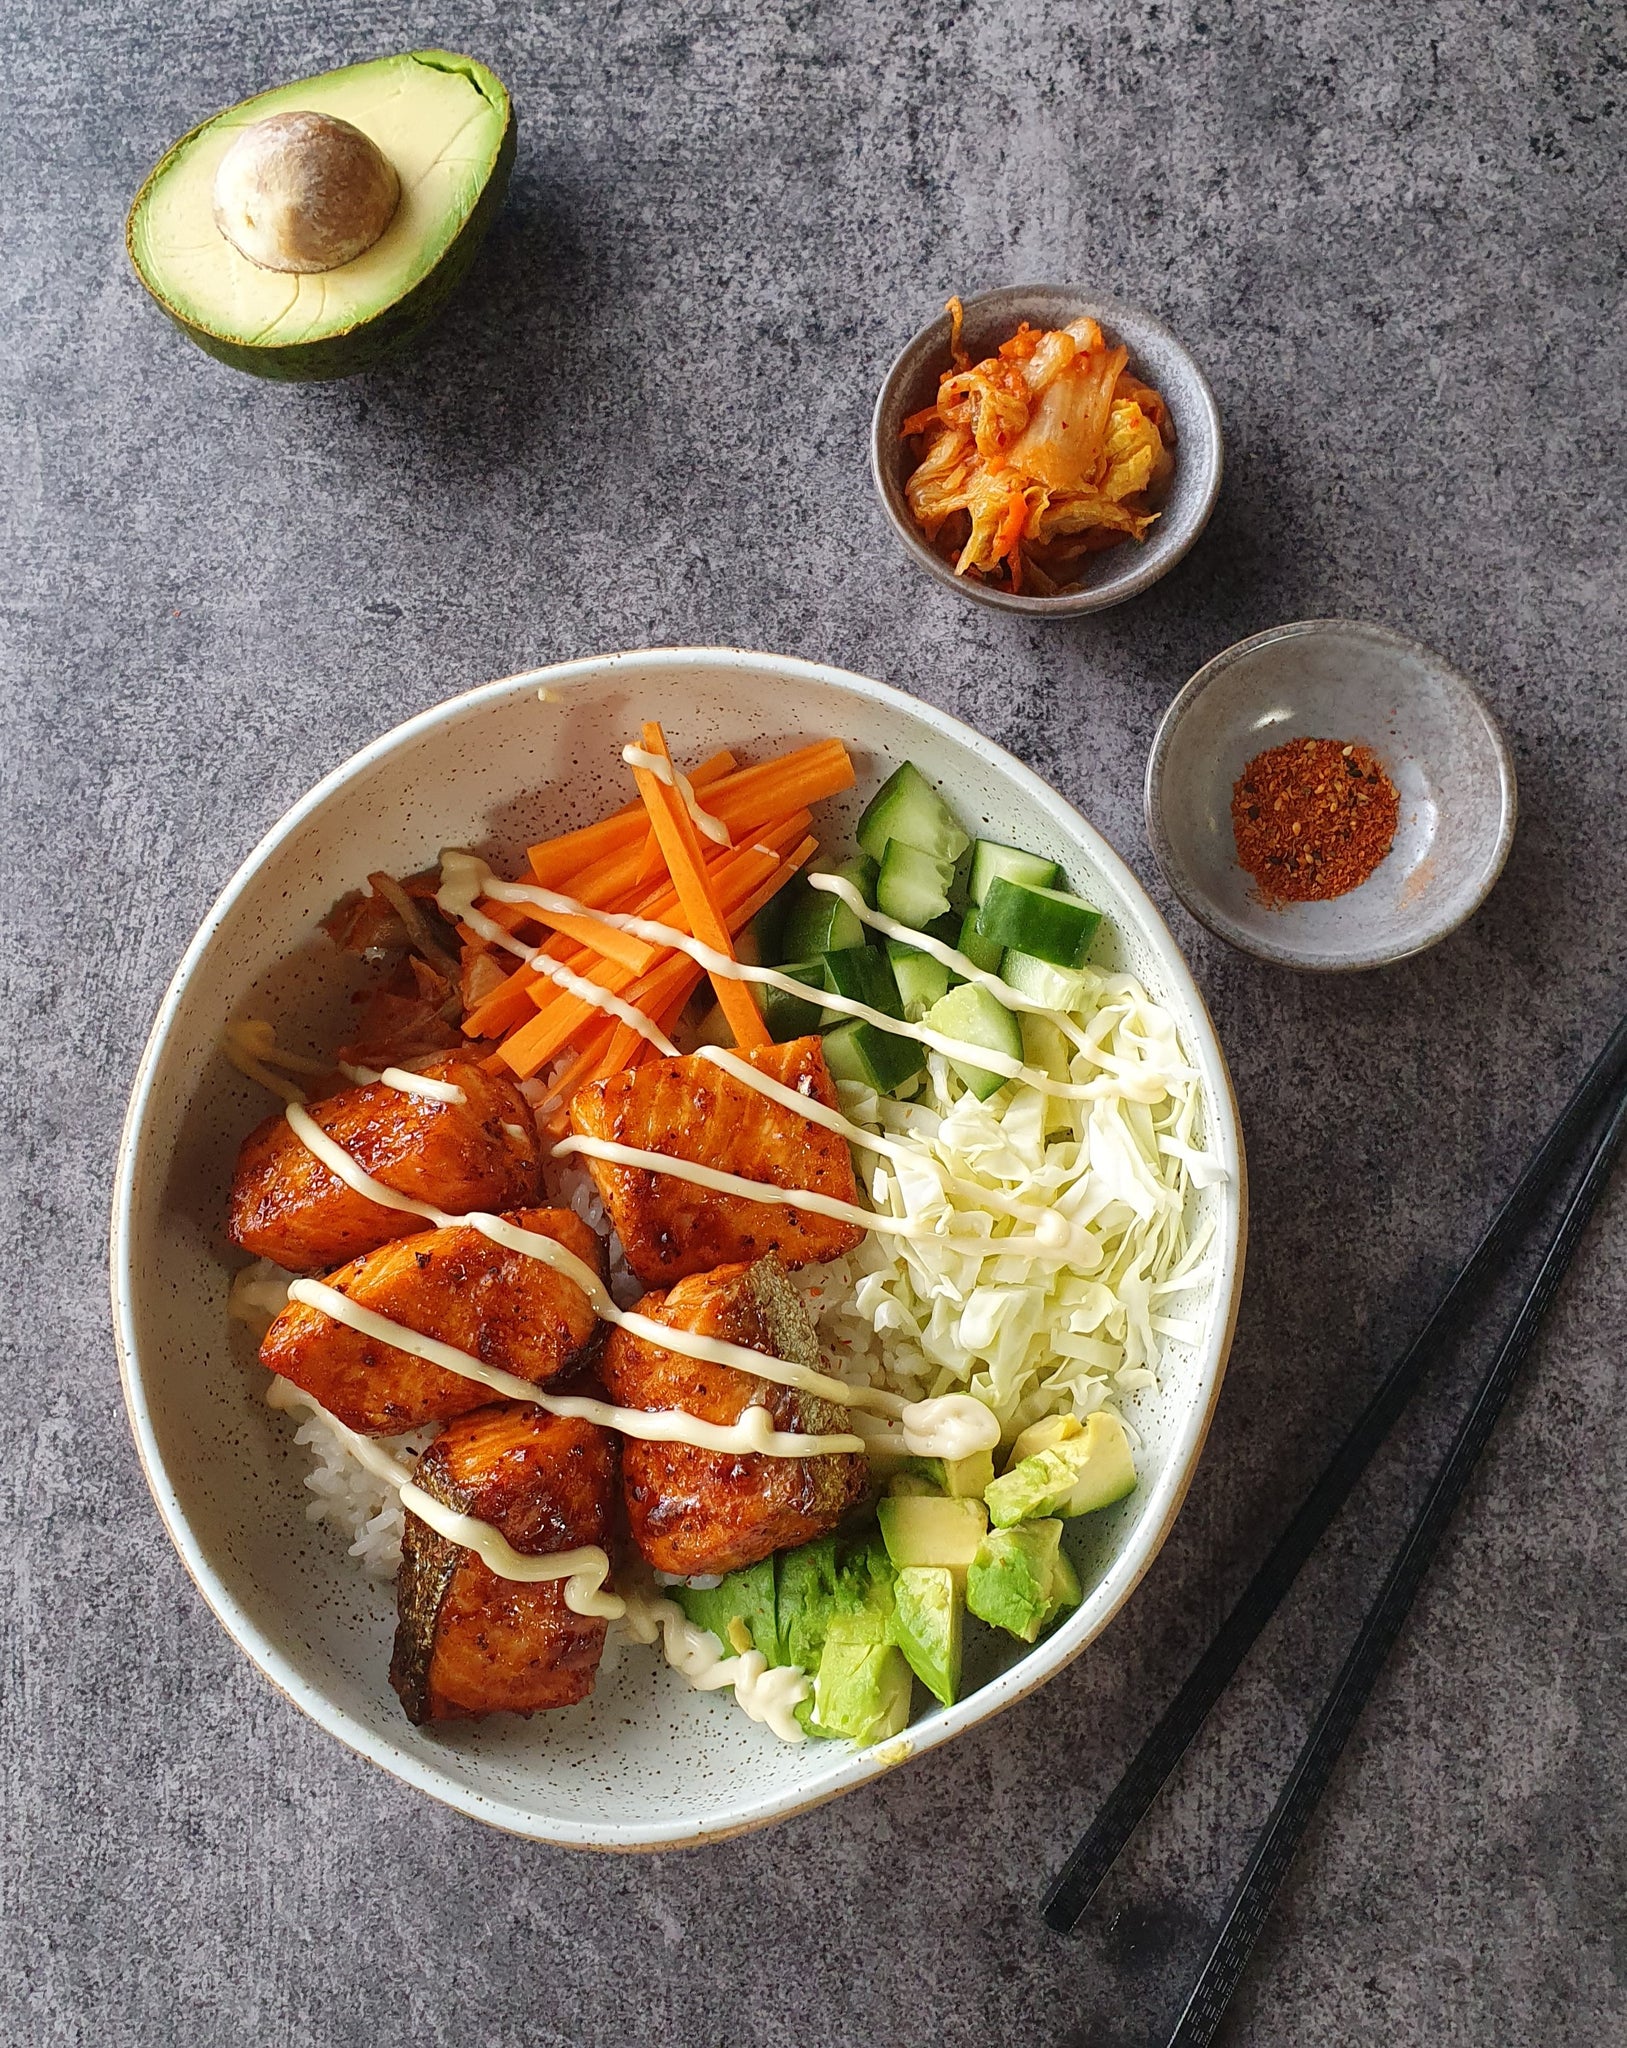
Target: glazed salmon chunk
504, 1307
469, 1641
691, 1510
480, 1153
690, 1109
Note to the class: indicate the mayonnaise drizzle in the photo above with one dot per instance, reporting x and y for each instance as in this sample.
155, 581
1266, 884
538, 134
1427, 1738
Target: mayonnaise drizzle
753, 1434
583, 1569
766, 1692
664, 771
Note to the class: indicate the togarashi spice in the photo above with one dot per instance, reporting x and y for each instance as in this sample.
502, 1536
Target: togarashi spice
1313, 819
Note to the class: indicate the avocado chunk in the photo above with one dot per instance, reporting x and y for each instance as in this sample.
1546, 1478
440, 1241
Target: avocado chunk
818, 1582
862, 1687
747, 1596
1066, 1591
1012, 1583
312, 231
931, 1529
958, 1477
927, 1624
1043, 1435
1073, 1477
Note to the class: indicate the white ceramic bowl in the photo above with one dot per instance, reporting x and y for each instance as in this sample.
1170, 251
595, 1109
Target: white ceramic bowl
646, 1762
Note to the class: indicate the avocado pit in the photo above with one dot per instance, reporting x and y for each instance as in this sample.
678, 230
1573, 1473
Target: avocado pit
304, 192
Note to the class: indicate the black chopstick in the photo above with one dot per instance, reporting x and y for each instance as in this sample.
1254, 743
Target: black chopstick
1076, 1883
1313, 1767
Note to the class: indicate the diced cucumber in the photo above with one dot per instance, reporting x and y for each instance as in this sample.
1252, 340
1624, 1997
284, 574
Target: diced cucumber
864, 974
1058, 988
767, 928
945, 929
913, 886
980, 951
920, 978
819, 923
909, 809
861, 871
991, 860
1045, 1047
789, 1016
1045, 922
971, 1014
857, 1051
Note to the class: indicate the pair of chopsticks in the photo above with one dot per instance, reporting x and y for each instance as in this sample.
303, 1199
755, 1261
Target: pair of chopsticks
1599, 1103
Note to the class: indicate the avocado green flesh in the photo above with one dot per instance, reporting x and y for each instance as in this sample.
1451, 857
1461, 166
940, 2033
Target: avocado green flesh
444, 122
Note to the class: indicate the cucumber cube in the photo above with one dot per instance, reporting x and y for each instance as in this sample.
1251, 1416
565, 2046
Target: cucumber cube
861, 871
789, 1016
991, 860
817, 924
864, 974
921, 979
913, 886
1045, 922
980, 951
909, 809
857, 1051
975, 1017
1058, 988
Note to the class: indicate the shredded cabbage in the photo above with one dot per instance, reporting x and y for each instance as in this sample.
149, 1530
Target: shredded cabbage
1033, 1336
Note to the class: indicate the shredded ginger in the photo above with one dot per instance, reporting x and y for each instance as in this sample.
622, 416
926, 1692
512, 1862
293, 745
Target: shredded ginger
1038, 456
1034, 1337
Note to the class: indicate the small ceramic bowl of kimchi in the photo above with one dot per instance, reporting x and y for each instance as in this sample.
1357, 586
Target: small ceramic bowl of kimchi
1046, 452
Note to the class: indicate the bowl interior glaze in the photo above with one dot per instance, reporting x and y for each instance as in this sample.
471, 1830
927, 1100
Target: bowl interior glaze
646, 1762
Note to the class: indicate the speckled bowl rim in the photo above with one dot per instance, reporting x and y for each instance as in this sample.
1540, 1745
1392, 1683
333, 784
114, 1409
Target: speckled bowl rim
1118, 320
855, 1767
1214, 919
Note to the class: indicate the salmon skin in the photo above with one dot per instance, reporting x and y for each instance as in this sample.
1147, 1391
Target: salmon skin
481, 1153
505, 1308
467, 1641
690, 1510
690, 1109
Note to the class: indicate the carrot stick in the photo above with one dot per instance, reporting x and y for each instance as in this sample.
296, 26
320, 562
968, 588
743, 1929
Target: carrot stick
680, 843
554, 859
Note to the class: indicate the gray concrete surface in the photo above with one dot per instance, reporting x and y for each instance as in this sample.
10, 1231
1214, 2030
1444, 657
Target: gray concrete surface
1394, 236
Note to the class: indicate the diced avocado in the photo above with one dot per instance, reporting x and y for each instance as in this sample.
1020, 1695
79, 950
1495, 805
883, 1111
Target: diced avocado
928, 1624
749, 1595
818, 1581
909, 809
957, 1477
862, 1687
909, 1484
1011, 1583
921, 979
1074, 1476
1066, 1591
337, 278
972, 1015
1042, 1436
926, 1529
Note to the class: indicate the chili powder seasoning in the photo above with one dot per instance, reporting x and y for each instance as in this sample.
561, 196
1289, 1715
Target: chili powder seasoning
1313, 819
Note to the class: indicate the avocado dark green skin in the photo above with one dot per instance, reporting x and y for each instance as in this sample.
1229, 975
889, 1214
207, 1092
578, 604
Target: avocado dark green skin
382, 337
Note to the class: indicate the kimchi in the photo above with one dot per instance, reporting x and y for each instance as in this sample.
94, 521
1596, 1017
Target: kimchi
1038, 457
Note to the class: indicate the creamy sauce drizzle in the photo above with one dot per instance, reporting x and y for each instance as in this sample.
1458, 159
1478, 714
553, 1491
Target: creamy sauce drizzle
663, 771
768, 1693
583, 1569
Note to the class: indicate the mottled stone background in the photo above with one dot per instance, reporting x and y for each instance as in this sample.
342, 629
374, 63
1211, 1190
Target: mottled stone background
1394, 236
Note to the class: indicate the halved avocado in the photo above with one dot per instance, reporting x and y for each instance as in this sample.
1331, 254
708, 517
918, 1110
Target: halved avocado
446, 126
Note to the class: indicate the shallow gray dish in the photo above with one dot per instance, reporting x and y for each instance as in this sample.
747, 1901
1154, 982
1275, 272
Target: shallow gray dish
1335, 679
1156, 357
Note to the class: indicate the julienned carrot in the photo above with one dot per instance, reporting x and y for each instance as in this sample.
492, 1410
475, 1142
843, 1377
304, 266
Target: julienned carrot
662, 992
680, 843
554, 859
751, 798
592, 932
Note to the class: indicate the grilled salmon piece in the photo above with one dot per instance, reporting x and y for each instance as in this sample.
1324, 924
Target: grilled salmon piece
467, 1641
507, 1309
481, 1153
691, 1109
712, 1511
